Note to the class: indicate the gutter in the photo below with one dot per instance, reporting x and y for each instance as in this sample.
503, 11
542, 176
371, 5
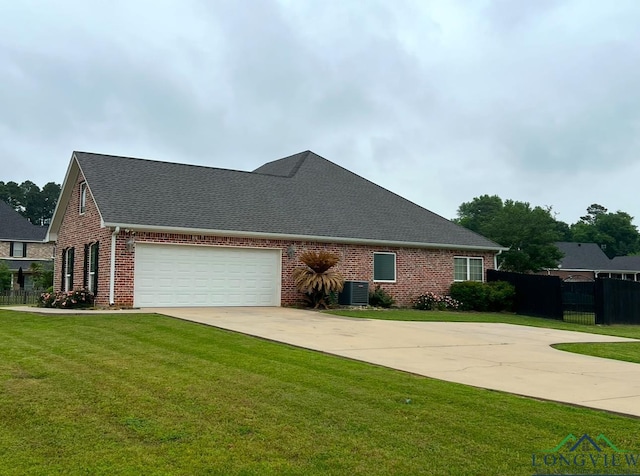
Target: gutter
112, 270
285, 237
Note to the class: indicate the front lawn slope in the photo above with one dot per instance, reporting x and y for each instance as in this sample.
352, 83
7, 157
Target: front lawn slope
146, 394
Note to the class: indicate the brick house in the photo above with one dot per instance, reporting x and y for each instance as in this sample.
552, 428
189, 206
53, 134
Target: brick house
147, 233
21, 245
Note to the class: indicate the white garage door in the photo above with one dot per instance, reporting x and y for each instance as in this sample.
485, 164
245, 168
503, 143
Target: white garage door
184, 275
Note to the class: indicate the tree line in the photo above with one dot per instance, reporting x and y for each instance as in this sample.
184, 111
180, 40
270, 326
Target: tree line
530, 232
33, 203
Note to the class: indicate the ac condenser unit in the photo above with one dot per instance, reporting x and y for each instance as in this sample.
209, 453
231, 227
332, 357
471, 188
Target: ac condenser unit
354, 293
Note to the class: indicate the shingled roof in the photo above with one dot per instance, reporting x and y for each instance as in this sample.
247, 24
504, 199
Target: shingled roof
626, 263
15, 227
303, 195
587, 256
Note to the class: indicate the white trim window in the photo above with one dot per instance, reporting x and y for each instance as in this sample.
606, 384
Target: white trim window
384, 267
67, 272
92, 268
83, 197
467, 268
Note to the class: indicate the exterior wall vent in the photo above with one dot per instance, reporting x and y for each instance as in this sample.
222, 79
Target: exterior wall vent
354, 293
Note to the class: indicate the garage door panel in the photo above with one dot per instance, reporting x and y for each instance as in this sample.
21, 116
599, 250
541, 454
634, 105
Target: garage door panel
185, 275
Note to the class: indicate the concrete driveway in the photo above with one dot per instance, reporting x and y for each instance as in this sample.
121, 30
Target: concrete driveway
510, 358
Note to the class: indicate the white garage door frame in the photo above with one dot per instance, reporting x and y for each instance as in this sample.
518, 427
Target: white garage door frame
185, 275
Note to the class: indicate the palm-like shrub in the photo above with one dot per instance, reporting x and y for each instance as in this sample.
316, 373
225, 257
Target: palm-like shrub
317, 280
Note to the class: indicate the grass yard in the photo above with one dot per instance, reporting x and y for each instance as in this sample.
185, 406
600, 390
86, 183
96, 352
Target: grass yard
145, 394
447, 316
627, 351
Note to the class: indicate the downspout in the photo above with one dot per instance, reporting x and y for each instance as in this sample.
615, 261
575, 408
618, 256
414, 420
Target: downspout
495, 259
112, 271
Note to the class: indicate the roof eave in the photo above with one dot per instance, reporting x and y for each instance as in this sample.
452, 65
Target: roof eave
294, 237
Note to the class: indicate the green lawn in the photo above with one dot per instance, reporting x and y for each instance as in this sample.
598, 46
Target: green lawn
444, 316
628, 351
145, 394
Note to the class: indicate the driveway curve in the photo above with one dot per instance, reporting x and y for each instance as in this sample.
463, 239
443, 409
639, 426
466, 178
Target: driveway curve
505, 357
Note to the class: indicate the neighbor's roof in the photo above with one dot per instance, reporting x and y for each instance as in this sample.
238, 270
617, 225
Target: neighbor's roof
303, 195
626, 263
587, 256
15, 227
25, 264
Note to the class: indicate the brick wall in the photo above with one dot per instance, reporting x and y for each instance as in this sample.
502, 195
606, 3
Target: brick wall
570, 275
76, 231
34, 250
417, 270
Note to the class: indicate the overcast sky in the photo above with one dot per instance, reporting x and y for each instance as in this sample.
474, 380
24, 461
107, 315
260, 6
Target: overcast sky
438, 101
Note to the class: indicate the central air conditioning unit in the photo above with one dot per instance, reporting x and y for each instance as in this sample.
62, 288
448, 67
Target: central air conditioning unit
354, 293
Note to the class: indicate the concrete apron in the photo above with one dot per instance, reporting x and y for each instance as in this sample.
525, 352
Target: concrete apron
505, 357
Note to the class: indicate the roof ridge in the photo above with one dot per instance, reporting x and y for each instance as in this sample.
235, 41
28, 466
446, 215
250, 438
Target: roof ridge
141, 159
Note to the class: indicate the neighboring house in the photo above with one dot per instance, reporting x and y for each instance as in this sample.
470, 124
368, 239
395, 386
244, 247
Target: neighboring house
625, 267
587, 261
21, 245
147, 233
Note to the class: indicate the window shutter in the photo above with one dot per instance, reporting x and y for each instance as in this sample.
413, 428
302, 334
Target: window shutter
11, 249
24, 250
85, 266
71, 263
95, 275
64, 269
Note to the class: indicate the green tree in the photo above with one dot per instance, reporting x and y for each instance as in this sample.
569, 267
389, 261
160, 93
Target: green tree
11, 193
5, 276
50, 194
31, 202
529, 233
476, 214
42, 275
614, 232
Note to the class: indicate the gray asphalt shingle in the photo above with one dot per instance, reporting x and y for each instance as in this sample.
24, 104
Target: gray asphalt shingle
15, 227
583, 256
304, 194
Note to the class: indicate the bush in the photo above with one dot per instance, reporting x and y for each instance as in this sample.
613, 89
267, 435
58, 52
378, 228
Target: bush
476, 296
471, 294
501, 296
77, 299
435, 302
380, 298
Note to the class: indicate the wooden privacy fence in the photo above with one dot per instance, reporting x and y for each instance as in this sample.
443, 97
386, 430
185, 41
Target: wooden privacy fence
605, 301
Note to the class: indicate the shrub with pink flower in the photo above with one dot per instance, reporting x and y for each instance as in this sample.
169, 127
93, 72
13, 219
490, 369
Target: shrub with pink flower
435, 302
76, 299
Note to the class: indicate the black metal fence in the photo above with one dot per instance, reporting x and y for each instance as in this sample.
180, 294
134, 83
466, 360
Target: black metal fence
578, 302
14, 298
605, 301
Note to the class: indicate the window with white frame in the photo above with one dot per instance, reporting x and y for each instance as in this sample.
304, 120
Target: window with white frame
83, 197
384, 267
92, 268
468, 269
67, 272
